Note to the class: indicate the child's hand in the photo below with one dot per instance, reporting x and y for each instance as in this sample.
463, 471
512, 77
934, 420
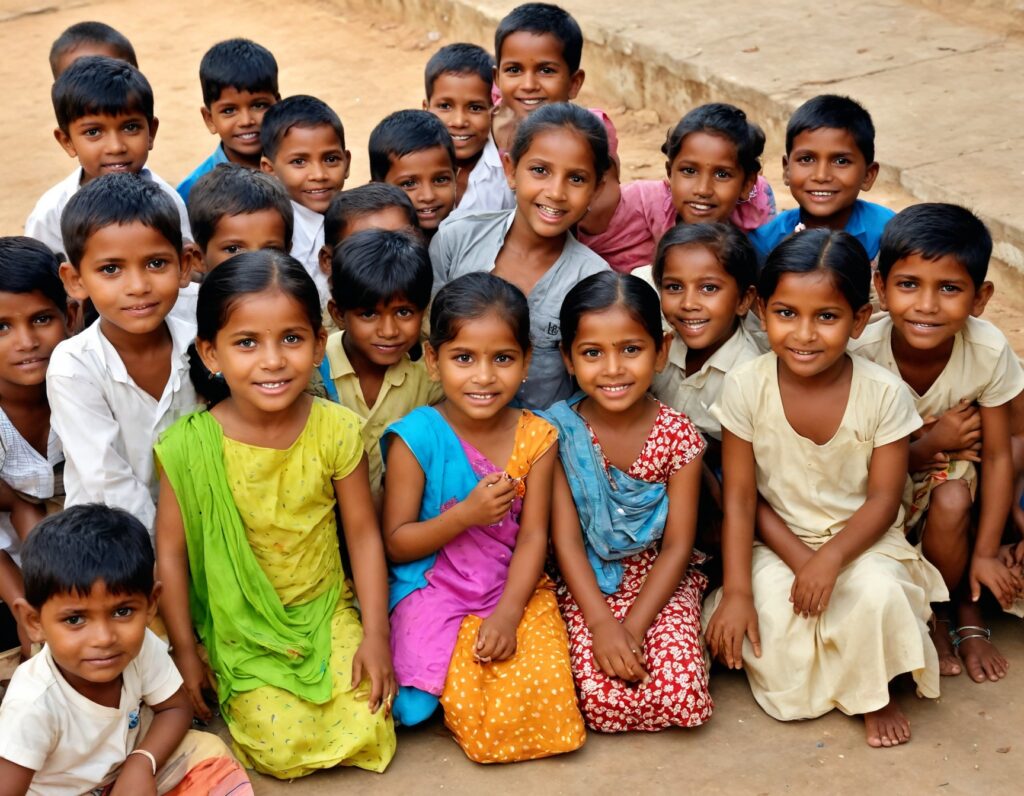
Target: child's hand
373, 660
814, 582
196, 677
734, 618
617, 653
1000, 580
1012, 556
136, 778
956, 429
490, 500
496, 639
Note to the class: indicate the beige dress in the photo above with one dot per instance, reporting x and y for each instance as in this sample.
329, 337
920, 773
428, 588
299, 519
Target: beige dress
875, 626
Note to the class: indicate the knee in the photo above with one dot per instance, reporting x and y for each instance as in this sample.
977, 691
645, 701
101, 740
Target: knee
950, 506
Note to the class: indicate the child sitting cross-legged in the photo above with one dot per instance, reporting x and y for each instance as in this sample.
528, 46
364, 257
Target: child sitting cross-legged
101, 710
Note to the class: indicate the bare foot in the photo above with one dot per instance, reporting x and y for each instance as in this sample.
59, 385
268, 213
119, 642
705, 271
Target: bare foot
949, 661
887, 727
980, 656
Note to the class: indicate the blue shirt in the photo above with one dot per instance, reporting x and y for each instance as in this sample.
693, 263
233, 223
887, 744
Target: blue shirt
866, 223
185, 186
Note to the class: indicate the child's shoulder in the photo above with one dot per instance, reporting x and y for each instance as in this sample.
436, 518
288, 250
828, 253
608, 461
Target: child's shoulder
981, 334
580, 260
869, 372
325, 412
770, 234
34, 682
874, 340
79, 355
872, 212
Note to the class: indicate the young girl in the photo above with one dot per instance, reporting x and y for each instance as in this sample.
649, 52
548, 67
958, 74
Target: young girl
624, 516
474, 620
556, 166
841, 598
713, 165
247, 541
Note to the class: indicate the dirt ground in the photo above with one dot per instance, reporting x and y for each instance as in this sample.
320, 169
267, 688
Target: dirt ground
971, 740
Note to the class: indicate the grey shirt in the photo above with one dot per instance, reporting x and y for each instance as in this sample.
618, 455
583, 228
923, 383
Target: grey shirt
472, 243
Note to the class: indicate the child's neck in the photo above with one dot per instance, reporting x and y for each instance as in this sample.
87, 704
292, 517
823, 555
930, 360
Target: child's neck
493, 436
697, 357
146, 357
836, 222
370, 374
463, 168
106, 694
243, 422
252, 162
525, 256
621, 433
28, 410
920, 367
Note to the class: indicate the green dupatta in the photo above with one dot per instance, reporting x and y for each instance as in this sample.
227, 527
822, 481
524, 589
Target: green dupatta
251, 638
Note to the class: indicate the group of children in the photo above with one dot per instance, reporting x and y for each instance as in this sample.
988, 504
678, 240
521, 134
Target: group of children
476, 435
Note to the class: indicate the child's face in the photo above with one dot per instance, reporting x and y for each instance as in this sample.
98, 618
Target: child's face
699, 298
929, 301
428, 178
244, 232
109, 144
554, 182
809, 323
706, 179
463, 103
236, 117
92, 637
31, 325
132, 274
614, 359
480, 369
382, 335
825, 172
311, 164
266, 351
532, 71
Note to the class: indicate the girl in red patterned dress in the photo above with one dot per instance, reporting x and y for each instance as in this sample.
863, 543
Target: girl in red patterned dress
624, 517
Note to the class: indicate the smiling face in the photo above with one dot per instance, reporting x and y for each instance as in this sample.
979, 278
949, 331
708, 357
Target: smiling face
428, 178
463, 103
236, 117
109, 144
706, 179
532, 72
381, 335
31, 325
244, 232
311, 164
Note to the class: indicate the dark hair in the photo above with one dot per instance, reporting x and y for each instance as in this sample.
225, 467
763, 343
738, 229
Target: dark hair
97, 85
729, 246
933, 230
473, 296
301, 110
117, 199
376, 265
540, 19
607, 289
28, 266
234, 190
459, 59
403, 132
569, 116
355, 202
728, 121
840, 113
239, 64
90, 33
838, 253
69, 552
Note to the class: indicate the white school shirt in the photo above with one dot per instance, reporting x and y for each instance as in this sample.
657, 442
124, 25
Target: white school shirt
487, 188
44, 221
72, 743
108, 424
307, 240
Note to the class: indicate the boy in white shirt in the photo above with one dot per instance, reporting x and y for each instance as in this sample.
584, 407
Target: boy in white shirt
117, 385
105, 120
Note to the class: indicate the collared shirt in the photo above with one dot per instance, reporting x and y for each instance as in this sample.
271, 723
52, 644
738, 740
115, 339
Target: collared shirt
307, 240
108, 424
866, 223
208, 165
25, 470
694, 395
43, 222
487, 188
406, 386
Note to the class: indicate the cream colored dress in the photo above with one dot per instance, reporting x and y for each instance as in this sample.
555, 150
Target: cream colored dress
875, 626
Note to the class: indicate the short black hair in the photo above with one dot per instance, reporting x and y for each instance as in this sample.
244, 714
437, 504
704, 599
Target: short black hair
117, 199
377, 265
69, 552
91, 33
240, 64
540, 19
935, 229
100, 85
839, 113
300, 110
459, 59
28, 266
234, 190
727, 121
401, 133
355, 202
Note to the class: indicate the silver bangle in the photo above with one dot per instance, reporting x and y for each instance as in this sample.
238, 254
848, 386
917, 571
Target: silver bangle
148, 754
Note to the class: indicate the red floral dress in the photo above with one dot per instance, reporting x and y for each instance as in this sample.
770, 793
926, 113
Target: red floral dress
677, 692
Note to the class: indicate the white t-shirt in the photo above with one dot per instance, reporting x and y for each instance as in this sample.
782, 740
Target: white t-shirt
72, 743
307, 240
487, 188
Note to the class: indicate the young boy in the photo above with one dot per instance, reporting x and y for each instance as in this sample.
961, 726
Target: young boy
538, 48
380, 289
89, 38
829, 160
234, 209
413, 150
963, 376
103, 703
105, 120
239, 80
304, 148
114, 387
459, 80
